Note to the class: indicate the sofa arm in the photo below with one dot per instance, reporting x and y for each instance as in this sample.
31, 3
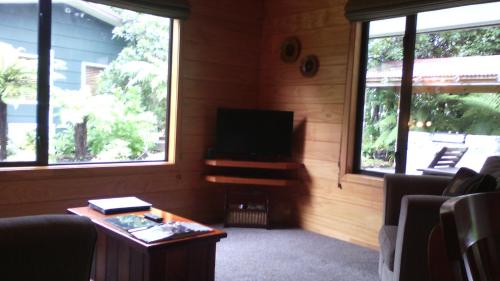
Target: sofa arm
419, 214
396, 186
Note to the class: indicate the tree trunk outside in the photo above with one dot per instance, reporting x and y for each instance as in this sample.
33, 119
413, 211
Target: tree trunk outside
81, 140
376, 113
3, 130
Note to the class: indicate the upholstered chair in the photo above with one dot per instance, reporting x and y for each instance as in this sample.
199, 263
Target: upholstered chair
411, 210
46, 247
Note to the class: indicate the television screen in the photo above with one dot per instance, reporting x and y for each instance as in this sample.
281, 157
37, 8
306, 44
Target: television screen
249, 133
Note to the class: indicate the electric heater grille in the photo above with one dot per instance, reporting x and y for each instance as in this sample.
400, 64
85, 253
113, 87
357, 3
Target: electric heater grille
247, 217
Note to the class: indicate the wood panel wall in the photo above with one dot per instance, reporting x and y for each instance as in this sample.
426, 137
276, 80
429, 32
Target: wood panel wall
230, 58
219, 60
351, 213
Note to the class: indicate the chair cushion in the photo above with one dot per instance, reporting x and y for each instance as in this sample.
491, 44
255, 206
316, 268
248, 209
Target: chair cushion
467, 181
46, 247
492, 167
387, 239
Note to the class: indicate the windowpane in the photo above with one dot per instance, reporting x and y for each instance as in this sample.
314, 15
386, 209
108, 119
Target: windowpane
109, 84
18, 81
456, 87
382, 92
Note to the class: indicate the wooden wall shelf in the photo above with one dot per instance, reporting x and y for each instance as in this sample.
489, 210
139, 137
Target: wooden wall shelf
253, 164
251, 181
251, 174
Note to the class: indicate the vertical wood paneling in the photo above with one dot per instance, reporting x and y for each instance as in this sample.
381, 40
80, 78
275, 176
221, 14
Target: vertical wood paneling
218, 67
124, 258
352, 213
112, 260
154, 267
99, 273
136, 265
230, 58
220, 59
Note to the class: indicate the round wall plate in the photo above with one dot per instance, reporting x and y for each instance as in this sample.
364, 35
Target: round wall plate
290, 50
309, 66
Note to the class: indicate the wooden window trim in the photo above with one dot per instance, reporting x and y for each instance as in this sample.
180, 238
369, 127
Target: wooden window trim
84, 170
173, 107
347, 147
120, 168
43, 105
348, 143
353, 110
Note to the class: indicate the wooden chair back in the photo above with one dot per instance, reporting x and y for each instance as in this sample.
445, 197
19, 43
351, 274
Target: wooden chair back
448, 157
471, 230
439, 264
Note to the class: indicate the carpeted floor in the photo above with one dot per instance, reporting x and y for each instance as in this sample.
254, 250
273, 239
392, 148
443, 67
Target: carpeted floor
291, 255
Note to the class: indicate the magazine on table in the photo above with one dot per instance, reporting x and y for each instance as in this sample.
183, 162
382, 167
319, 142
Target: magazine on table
170, 230
131, 223
150, 231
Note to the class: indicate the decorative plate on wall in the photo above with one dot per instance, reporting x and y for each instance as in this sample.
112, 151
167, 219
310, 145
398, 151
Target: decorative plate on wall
309, 66
290, 49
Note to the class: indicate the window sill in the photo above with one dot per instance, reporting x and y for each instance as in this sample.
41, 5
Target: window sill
84, 170
362, 180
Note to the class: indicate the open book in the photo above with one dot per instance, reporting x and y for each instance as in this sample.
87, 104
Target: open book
170, 230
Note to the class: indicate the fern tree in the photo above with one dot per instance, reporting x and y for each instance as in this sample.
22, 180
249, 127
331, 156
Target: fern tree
16, 79
133, 87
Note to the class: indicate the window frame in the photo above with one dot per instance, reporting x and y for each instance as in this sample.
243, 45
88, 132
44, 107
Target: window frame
409, 39
404, 110
43, 55
84, 68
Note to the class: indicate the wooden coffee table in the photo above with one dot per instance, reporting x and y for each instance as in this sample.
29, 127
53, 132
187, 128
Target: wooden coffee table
121, 257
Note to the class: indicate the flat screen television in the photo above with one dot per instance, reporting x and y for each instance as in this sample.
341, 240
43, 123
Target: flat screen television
254, 134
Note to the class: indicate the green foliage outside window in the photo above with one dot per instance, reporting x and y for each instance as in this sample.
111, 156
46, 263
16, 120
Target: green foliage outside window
469, 113
132, 89
17, 78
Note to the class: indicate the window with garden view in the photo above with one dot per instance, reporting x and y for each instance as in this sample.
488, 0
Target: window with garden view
109, 79
455, 89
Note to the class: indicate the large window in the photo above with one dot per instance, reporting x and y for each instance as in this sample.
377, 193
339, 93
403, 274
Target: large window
82, 83
429, 81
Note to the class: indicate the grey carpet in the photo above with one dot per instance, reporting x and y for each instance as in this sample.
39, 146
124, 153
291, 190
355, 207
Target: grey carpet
291, 255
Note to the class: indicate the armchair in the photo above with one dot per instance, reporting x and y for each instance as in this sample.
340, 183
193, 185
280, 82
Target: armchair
46, 247
411, 210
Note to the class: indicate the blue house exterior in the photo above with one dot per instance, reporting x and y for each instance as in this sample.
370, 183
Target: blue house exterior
82, 42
